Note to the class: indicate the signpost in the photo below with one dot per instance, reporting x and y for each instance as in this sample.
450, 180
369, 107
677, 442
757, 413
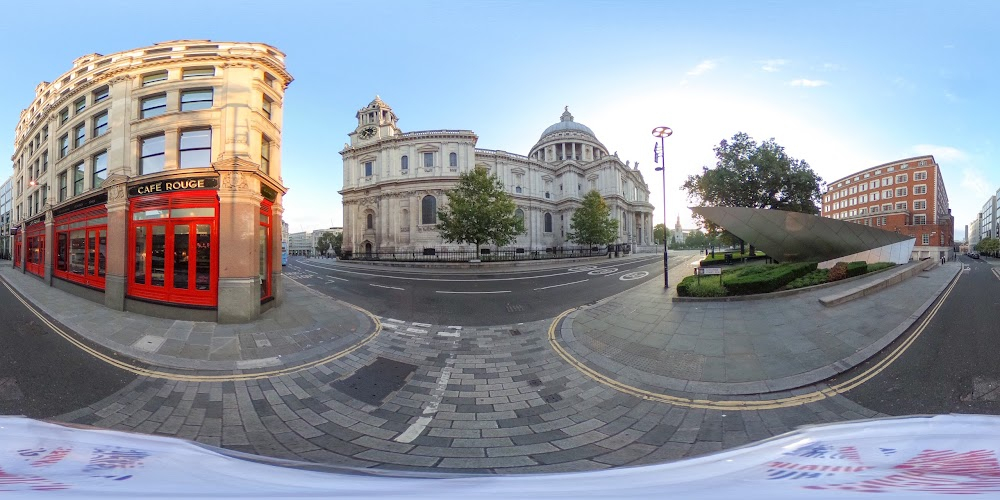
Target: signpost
708, 271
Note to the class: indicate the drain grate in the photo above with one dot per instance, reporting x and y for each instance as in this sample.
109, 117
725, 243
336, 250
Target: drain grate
535, 382
374, 382
552, 398
515, 333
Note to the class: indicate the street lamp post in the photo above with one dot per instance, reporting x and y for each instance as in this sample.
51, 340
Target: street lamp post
660, 157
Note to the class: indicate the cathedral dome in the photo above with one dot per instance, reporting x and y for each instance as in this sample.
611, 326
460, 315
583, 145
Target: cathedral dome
566, 124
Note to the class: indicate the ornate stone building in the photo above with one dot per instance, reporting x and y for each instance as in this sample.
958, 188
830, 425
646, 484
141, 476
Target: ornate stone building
395, 181
149, 180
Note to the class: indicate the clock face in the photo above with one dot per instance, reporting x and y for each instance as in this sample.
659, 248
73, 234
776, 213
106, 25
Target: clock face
367, 133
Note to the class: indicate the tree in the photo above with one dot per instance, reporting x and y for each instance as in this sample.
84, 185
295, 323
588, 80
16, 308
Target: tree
659, 232
592, 223
327, 241
479, 211
696, 239
748, 174
988, 246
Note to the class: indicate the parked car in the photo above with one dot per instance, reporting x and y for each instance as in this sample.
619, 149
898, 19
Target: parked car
974, 255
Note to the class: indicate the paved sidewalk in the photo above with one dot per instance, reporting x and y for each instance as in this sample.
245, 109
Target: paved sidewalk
489, 268
642, 338
307, 326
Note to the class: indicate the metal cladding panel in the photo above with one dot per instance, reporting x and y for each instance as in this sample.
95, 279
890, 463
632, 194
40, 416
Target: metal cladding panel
798, 237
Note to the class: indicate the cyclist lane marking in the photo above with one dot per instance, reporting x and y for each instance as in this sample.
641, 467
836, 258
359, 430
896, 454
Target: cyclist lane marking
152, 373
746, 405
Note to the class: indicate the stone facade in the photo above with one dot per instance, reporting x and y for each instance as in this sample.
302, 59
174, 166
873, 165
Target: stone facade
125, 138
395, 181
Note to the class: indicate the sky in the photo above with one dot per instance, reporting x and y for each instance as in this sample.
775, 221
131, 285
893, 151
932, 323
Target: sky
842, 85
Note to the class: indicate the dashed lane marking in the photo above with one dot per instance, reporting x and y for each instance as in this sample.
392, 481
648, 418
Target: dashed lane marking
449, 334
416, 330
394, 320
422, 325
747, 405
561, 284
383, 286
496, 291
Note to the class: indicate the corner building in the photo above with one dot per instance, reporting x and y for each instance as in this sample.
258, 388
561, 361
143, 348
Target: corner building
150, 180
905, 196
394, 183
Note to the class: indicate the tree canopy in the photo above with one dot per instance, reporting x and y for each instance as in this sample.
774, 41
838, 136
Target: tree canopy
327, 241
659, 232
988, 246
592, 223
748, 174
479, 211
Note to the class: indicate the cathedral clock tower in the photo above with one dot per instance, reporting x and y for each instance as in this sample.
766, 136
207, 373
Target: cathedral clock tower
375, 121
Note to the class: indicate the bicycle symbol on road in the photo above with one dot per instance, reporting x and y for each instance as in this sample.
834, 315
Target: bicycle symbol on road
606, 270
582, 268
633, 276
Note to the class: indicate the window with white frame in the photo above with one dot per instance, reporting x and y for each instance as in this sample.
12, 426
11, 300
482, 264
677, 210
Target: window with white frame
900, 192
920, 189
920, 176
887, 207
101, 94
925, 239
920, 205
901, 178
100, 170
873, 209
900, 205
920, 219
887, 181
887, 194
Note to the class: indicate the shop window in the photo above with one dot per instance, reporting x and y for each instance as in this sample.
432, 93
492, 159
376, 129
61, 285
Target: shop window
264, 250
175, 243
35, 256
196, 148
81, 246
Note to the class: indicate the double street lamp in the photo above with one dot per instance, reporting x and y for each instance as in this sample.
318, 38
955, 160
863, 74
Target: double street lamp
660, 157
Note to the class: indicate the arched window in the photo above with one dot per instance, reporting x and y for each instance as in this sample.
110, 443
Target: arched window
404, 163
428, 209
519, 214
548, 222
517, 189
453, 160
370, 221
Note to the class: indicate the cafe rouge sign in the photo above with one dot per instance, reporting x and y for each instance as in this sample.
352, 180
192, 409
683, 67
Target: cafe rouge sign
172, 185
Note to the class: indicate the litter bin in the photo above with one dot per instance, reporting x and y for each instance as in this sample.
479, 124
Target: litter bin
729, 258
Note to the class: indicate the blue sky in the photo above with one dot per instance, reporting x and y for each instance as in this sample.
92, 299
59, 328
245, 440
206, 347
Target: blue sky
842, 85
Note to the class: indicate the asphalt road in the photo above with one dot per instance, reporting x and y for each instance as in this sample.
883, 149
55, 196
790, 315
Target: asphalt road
488, 298
954, 365
41, 373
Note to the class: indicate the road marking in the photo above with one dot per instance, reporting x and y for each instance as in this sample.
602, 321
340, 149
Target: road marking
422, 325
605, 270
410, 278
147, 372
336, 278
449, 334
437, 394
390, 325
415, 330
633, 276
996, 273
497, 291
383, 286
582, 268
395, 320
747, 405
455, 327
562, 284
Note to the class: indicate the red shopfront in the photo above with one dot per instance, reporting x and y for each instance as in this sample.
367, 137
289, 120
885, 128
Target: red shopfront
34, 235
174, 242
81, 242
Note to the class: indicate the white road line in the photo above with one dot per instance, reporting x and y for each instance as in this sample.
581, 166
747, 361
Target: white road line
637, 261
383, 286
395, 320
414, 430
455, 327
449, 334
336, 278
417, 428
561, 284
416, 330
390, 325
422, 325
446, 291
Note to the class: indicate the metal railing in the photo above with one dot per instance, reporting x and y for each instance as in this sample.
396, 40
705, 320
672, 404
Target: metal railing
485, 255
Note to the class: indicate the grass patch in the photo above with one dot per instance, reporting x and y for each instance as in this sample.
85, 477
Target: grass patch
765, 278
878, 266
817, 277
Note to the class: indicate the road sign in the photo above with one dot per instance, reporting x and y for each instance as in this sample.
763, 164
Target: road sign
708, 270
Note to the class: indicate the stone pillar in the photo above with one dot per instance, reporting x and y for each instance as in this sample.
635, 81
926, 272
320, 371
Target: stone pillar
117, 248
49, 243
239, 212
276, 290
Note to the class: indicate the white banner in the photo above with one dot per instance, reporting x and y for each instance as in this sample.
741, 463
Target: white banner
911, 457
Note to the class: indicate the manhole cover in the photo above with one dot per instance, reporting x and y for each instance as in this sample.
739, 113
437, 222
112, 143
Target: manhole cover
534, 382
374, 382
552, 398
515, 333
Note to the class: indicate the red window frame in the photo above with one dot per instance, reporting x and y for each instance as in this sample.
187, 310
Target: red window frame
266, 223
35, 256
92, 221
168, 292
17, 250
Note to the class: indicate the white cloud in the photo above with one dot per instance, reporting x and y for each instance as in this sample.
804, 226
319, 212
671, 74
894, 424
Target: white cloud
941, 153
831, 67
802, 82
773, 65
703, 67
975, 183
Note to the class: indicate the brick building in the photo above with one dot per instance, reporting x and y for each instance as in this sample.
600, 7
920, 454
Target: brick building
906, 196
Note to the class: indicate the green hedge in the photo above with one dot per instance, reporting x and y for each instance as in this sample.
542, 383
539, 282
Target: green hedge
856, 268
817, 277
878, 266
769, 279
721, 256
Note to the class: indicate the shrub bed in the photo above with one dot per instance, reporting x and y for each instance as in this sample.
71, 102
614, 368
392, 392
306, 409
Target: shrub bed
817, 277
856, 268
768, 279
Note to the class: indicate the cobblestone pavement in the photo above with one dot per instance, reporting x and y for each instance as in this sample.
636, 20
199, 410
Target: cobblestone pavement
493, 399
